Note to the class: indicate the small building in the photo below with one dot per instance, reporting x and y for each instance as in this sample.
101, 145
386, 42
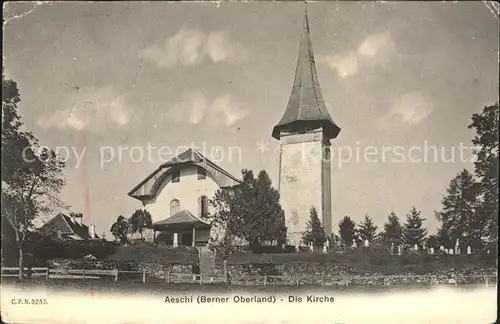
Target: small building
68, 227
177, 196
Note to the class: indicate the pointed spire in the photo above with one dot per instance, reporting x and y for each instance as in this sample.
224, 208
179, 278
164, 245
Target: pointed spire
306, 107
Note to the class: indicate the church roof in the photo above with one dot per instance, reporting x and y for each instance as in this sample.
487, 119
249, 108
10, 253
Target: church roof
148, 188
306, 106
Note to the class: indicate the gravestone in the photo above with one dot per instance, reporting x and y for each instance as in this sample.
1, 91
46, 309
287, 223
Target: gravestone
176, 239
469, 250
432, 250
367, 243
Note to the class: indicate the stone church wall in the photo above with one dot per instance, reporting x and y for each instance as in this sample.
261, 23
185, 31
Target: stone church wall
300, 185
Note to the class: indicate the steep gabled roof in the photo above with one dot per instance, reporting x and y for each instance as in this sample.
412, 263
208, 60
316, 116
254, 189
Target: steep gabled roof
306, 106
65, 224
148, 188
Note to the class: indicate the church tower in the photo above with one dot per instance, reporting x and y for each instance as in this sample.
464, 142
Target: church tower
304, 132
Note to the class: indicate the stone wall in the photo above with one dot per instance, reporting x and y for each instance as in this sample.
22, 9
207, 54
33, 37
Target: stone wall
154, 269
301, 179
286, 270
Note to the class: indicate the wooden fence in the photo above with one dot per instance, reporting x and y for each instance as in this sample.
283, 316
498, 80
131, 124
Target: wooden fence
323, 280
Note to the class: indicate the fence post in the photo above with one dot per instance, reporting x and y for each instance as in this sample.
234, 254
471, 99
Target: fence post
486, 280
298, 281
116, 275
201, 279
322, 279
47, 275
143, 276
83, 273
265, 280
168, 277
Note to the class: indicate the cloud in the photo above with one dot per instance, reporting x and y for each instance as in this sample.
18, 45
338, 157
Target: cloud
345, 64
191, 47
373, 44
373, 50
92, 109
409, 109
195, 109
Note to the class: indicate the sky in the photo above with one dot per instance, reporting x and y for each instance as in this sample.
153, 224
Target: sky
102, 82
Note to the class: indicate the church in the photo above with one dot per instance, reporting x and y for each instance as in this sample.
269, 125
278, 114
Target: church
177, 193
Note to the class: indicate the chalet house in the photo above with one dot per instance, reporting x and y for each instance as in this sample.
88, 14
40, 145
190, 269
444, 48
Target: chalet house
68, 227
177, 195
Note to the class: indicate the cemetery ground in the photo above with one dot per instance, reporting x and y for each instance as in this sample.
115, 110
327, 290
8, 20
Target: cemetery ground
377, 270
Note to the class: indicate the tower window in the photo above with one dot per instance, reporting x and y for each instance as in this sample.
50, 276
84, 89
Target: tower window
202, 173
327, 154
176, 176
175, 207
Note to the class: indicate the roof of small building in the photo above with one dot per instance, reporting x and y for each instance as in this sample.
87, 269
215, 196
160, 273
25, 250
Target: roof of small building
182, 217
67, 226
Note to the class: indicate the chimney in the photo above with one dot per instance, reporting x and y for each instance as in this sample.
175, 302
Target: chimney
92, 231
77, 219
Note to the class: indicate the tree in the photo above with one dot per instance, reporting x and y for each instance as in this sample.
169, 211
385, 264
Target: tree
458, 217
226, 226
259, 209
315, 233
413, 232
486, 166
433, 241
367, 230
393, 230
120, 228
269, 208
347, 230
334, 239
140, 220
32, 176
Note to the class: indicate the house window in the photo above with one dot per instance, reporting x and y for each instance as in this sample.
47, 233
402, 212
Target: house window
175, 207
203, 205
176, 176
202, 173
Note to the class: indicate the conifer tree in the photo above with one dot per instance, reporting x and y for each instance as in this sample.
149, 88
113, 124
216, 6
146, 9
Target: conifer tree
393, 230
259, 208
347, 230
414, 232
367, 230
458, 218
315, 233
